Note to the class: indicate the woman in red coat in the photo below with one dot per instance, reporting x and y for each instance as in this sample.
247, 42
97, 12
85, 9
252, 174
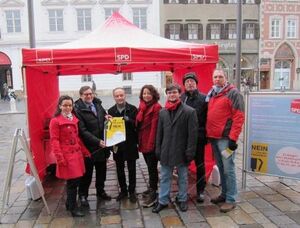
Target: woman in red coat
147, 120
68, 150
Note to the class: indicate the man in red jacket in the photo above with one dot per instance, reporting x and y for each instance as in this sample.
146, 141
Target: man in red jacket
225, 118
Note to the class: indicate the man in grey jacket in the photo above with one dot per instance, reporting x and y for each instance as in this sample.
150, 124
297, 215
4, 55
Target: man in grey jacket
176, 143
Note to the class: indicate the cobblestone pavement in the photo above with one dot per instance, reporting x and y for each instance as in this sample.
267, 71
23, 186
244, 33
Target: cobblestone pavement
266, 202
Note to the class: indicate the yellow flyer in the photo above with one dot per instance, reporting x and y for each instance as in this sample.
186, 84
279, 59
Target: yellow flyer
114, 132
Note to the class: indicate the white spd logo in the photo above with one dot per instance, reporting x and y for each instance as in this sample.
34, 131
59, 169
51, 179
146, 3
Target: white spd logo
198, 55
122, 54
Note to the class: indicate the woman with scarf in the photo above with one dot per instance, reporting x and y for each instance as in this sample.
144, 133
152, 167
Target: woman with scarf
146, 121
68, 150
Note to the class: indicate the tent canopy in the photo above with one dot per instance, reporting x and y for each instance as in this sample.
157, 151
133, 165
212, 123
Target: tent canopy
115, 47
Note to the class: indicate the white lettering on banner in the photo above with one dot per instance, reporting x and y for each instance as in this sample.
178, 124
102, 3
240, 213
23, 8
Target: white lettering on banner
122, 54
198, 57
43, 60
123, 57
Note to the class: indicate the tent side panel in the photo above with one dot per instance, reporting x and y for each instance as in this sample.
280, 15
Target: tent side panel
42, 95
204, 73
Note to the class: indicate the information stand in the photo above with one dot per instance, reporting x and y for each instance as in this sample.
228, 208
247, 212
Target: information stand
19, 136
271, 145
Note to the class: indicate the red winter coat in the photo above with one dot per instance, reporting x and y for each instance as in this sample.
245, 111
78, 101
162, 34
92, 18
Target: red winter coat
67, 147
225, 116
147, 128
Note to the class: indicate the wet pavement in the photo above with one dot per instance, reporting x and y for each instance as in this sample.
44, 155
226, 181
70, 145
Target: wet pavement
266, 201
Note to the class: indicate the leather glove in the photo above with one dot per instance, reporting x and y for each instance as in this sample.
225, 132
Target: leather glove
232, 145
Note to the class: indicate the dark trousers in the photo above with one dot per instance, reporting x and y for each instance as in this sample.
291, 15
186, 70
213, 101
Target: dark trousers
151, 161
199, 161
72, 188
131, 166
86, 180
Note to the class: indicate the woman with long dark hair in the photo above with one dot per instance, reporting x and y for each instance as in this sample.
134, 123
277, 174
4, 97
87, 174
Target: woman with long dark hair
68, 150
147, 120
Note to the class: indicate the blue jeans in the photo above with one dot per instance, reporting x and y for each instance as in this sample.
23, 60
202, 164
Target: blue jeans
226, 169
166, 181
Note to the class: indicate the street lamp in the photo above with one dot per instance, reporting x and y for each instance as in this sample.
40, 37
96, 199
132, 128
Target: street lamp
238, 44
31, 23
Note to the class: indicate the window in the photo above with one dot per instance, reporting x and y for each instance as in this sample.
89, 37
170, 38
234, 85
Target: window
232, 1
215, 31
127, 76
192, 1
291, 28
193, 31
86, 78
109, 12
232, 31
127, 89
140, 17
214, 1
13, 21
174, 1
84, 20
56, 21
275, 28
250, 31
174, 31
282, 75
250, 1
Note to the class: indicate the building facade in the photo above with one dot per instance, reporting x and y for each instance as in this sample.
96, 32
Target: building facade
61, 21
280, 45
214, 21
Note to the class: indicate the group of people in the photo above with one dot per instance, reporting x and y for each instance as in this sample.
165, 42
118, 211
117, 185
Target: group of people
174, 136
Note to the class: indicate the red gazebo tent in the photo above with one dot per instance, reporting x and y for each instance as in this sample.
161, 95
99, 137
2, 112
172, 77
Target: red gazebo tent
115, 47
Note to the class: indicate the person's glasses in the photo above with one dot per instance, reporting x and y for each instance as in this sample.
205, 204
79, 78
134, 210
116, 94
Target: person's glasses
87, 94
67, 105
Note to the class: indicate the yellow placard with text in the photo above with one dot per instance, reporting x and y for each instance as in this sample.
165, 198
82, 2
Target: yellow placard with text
115, 131
259, 157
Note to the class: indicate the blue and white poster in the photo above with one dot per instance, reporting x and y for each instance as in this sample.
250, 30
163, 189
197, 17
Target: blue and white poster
273, 142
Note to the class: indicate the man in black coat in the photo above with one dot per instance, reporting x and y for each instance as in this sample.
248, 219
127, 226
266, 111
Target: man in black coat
127, 150
193, 98
176, 142
91, 117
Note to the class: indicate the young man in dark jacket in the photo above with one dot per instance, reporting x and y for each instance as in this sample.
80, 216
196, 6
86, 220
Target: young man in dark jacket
176, 142
91, 117
193, 98
127, 150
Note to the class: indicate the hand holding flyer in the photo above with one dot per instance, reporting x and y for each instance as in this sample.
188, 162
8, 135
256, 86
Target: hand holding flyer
114, 131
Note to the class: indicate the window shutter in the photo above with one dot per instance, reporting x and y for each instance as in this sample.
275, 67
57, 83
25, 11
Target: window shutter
167, 31
200, 1
207, 1
256, 31
226, 35
166, 1
208, 32
222, 35
181, 33
244, 31
244, 1
257, 1
185, 35
200, 32
225, 1
183, 1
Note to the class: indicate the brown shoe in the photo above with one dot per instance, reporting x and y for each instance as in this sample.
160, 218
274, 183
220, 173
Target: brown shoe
217, 200
226, 207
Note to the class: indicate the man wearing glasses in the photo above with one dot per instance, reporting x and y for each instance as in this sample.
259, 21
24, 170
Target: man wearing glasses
91, 117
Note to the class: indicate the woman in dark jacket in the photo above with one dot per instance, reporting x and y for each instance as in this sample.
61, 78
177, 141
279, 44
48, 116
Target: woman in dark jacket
147, 119
68, 149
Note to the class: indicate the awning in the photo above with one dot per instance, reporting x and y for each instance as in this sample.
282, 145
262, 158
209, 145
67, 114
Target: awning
4, 59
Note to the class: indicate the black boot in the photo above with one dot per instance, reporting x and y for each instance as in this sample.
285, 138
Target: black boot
77, 213
83, 201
